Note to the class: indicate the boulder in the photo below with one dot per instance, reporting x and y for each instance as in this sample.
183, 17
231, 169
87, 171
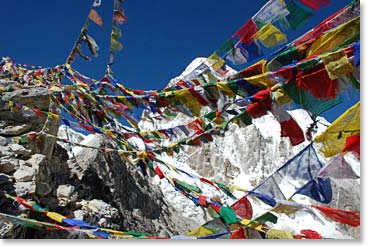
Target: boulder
3, 141
15, 130
64, 191
24, 188
43, 189
36, 160
19, 150
8, 165
24, 174
5, 151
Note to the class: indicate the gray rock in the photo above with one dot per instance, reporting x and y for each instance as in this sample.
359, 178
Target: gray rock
5, 179
5, 151
3, 141
16, 130
33, 97
19, 149
78, 214
43, 189
24, 188
64, 192
36, 160
24, 174
8, 166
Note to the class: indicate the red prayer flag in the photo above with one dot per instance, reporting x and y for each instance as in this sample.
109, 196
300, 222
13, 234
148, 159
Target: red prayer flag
291, 129
209, 182
94, 16
38, 112
243, 208
202, 201
262, 102
346, 217
315, 4
353, 143
310, 81
119, 17
310, 234
247, 32
159, 172
239, 234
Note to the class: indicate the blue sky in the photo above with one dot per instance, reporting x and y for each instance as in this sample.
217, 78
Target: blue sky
160, 38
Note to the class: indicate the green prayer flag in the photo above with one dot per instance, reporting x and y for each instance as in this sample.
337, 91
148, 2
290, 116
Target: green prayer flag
267, 217
225, 190
187, 187
228, 214
298, 14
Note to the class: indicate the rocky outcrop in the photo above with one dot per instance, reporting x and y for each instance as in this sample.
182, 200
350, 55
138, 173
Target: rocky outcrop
140, 204
97, 187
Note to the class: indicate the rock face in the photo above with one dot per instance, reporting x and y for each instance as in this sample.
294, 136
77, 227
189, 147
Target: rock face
108, 177
100, 188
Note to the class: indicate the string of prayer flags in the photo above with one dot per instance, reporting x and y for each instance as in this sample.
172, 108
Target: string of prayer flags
119, 18
346, 33
334, 137
263, 28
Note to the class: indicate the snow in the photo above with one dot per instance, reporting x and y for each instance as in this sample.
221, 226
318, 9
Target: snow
187, 73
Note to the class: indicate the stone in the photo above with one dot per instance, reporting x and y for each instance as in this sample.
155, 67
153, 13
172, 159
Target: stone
64, 191
19, 149
43, 189
36, 97
36, 160
3, 141
100, 208
5, 179
17, 130
24, 174
5, 151
24, 188
8, 166
78, 214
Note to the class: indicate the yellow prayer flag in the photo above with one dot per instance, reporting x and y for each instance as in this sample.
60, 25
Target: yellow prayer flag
285, 209
270, 36
254, 225
262, 80
334, 137
223, 86
280, 96
215, 61
186, 98
55, 216
337, 64
278, 234
200, 232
